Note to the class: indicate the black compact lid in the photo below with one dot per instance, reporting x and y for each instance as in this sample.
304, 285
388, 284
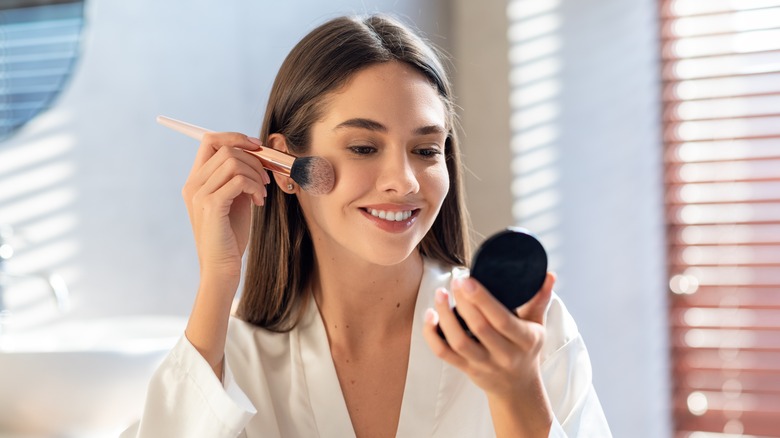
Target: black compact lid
512, 265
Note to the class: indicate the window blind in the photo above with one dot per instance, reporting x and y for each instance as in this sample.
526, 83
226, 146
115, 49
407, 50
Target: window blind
721, 114
39, 45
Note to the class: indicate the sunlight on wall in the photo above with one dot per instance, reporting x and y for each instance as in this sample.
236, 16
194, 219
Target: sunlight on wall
36, 202
534, 67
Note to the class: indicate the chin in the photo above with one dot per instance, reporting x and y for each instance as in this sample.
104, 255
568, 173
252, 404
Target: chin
390, 258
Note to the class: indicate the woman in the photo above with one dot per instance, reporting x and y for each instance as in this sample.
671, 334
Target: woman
335, 333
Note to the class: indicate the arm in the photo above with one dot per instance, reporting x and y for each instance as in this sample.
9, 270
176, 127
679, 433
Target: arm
187, 395
223, 184
534, 369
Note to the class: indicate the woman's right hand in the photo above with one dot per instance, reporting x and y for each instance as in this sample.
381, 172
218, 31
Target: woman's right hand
222, 186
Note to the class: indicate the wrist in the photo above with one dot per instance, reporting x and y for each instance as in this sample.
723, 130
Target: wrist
220, 282
218, 267
523, 412
208, 322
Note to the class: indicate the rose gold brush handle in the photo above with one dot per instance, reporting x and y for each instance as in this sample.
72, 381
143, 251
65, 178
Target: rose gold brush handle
273, 160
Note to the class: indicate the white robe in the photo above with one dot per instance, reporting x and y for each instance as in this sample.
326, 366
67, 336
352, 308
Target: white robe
284, 385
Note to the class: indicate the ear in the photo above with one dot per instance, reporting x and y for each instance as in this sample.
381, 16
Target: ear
279, 142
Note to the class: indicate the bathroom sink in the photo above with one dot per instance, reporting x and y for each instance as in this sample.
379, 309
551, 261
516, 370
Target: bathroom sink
80, 378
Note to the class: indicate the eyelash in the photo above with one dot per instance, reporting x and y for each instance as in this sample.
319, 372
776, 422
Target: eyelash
426, 153
429, 153
362, 150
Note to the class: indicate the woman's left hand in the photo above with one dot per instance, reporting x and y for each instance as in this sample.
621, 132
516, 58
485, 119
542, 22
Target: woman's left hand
505, 362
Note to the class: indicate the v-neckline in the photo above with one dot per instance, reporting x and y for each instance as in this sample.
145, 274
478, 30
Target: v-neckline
421, 389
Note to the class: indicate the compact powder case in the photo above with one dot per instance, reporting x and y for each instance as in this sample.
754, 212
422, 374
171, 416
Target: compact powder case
512, 265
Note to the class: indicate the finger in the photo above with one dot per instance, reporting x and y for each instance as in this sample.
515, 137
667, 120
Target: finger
234, 169
227, 173
235, 163
473, 292
226, 152
457, 338
438, 345
536, 308
221, 200
478, 322
221, 169
213, 141
265, 175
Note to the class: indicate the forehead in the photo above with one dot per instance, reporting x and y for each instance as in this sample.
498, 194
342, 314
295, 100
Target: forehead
390, 92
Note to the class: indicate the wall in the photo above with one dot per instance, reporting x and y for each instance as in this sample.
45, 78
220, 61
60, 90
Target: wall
96, 182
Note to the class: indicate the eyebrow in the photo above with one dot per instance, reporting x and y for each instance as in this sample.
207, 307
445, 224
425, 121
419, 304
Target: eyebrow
373, 125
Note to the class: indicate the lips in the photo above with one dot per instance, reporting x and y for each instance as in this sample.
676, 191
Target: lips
392, 218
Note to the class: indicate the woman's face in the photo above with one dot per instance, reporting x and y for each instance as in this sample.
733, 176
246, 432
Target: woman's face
384, 133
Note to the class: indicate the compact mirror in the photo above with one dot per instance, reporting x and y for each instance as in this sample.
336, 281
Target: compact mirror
512, 265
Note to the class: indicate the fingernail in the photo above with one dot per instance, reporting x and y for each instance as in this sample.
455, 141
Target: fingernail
431, 317
441, 296
457, 283
464, 284
254, 140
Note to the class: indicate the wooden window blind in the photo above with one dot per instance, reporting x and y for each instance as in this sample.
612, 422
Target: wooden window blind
721, 97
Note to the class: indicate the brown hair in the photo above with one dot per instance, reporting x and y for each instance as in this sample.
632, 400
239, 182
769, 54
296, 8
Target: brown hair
280, 263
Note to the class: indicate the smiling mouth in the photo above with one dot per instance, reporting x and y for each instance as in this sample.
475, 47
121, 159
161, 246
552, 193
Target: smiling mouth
393, 216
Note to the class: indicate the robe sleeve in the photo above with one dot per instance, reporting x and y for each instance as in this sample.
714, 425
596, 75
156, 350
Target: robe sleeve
568, 378
185, 398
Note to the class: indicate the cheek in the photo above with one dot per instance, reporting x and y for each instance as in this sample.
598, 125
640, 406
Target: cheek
353, 179
435, 180
351, 171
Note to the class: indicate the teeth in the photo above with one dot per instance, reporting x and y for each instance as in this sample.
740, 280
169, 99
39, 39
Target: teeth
396, 216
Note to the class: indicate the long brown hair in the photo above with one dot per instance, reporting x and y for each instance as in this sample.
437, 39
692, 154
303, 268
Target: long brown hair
281, 256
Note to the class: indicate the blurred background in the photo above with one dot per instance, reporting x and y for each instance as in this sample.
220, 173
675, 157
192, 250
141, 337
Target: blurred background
638, 139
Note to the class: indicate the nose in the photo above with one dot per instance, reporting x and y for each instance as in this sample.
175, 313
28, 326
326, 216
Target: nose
397, 174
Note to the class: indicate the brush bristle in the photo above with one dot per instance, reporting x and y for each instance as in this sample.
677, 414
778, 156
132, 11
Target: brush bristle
313, 174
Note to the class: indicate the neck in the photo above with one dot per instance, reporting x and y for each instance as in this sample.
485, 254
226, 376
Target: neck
362, 302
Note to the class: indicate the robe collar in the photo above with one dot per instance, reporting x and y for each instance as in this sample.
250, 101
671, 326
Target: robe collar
419, 405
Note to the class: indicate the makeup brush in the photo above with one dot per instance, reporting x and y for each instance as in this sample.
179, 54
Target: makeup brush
313, 174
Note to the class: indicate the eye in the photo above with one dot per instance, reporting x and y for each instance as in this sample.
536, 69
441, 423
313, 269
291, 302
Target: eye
428, 152
362, 150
